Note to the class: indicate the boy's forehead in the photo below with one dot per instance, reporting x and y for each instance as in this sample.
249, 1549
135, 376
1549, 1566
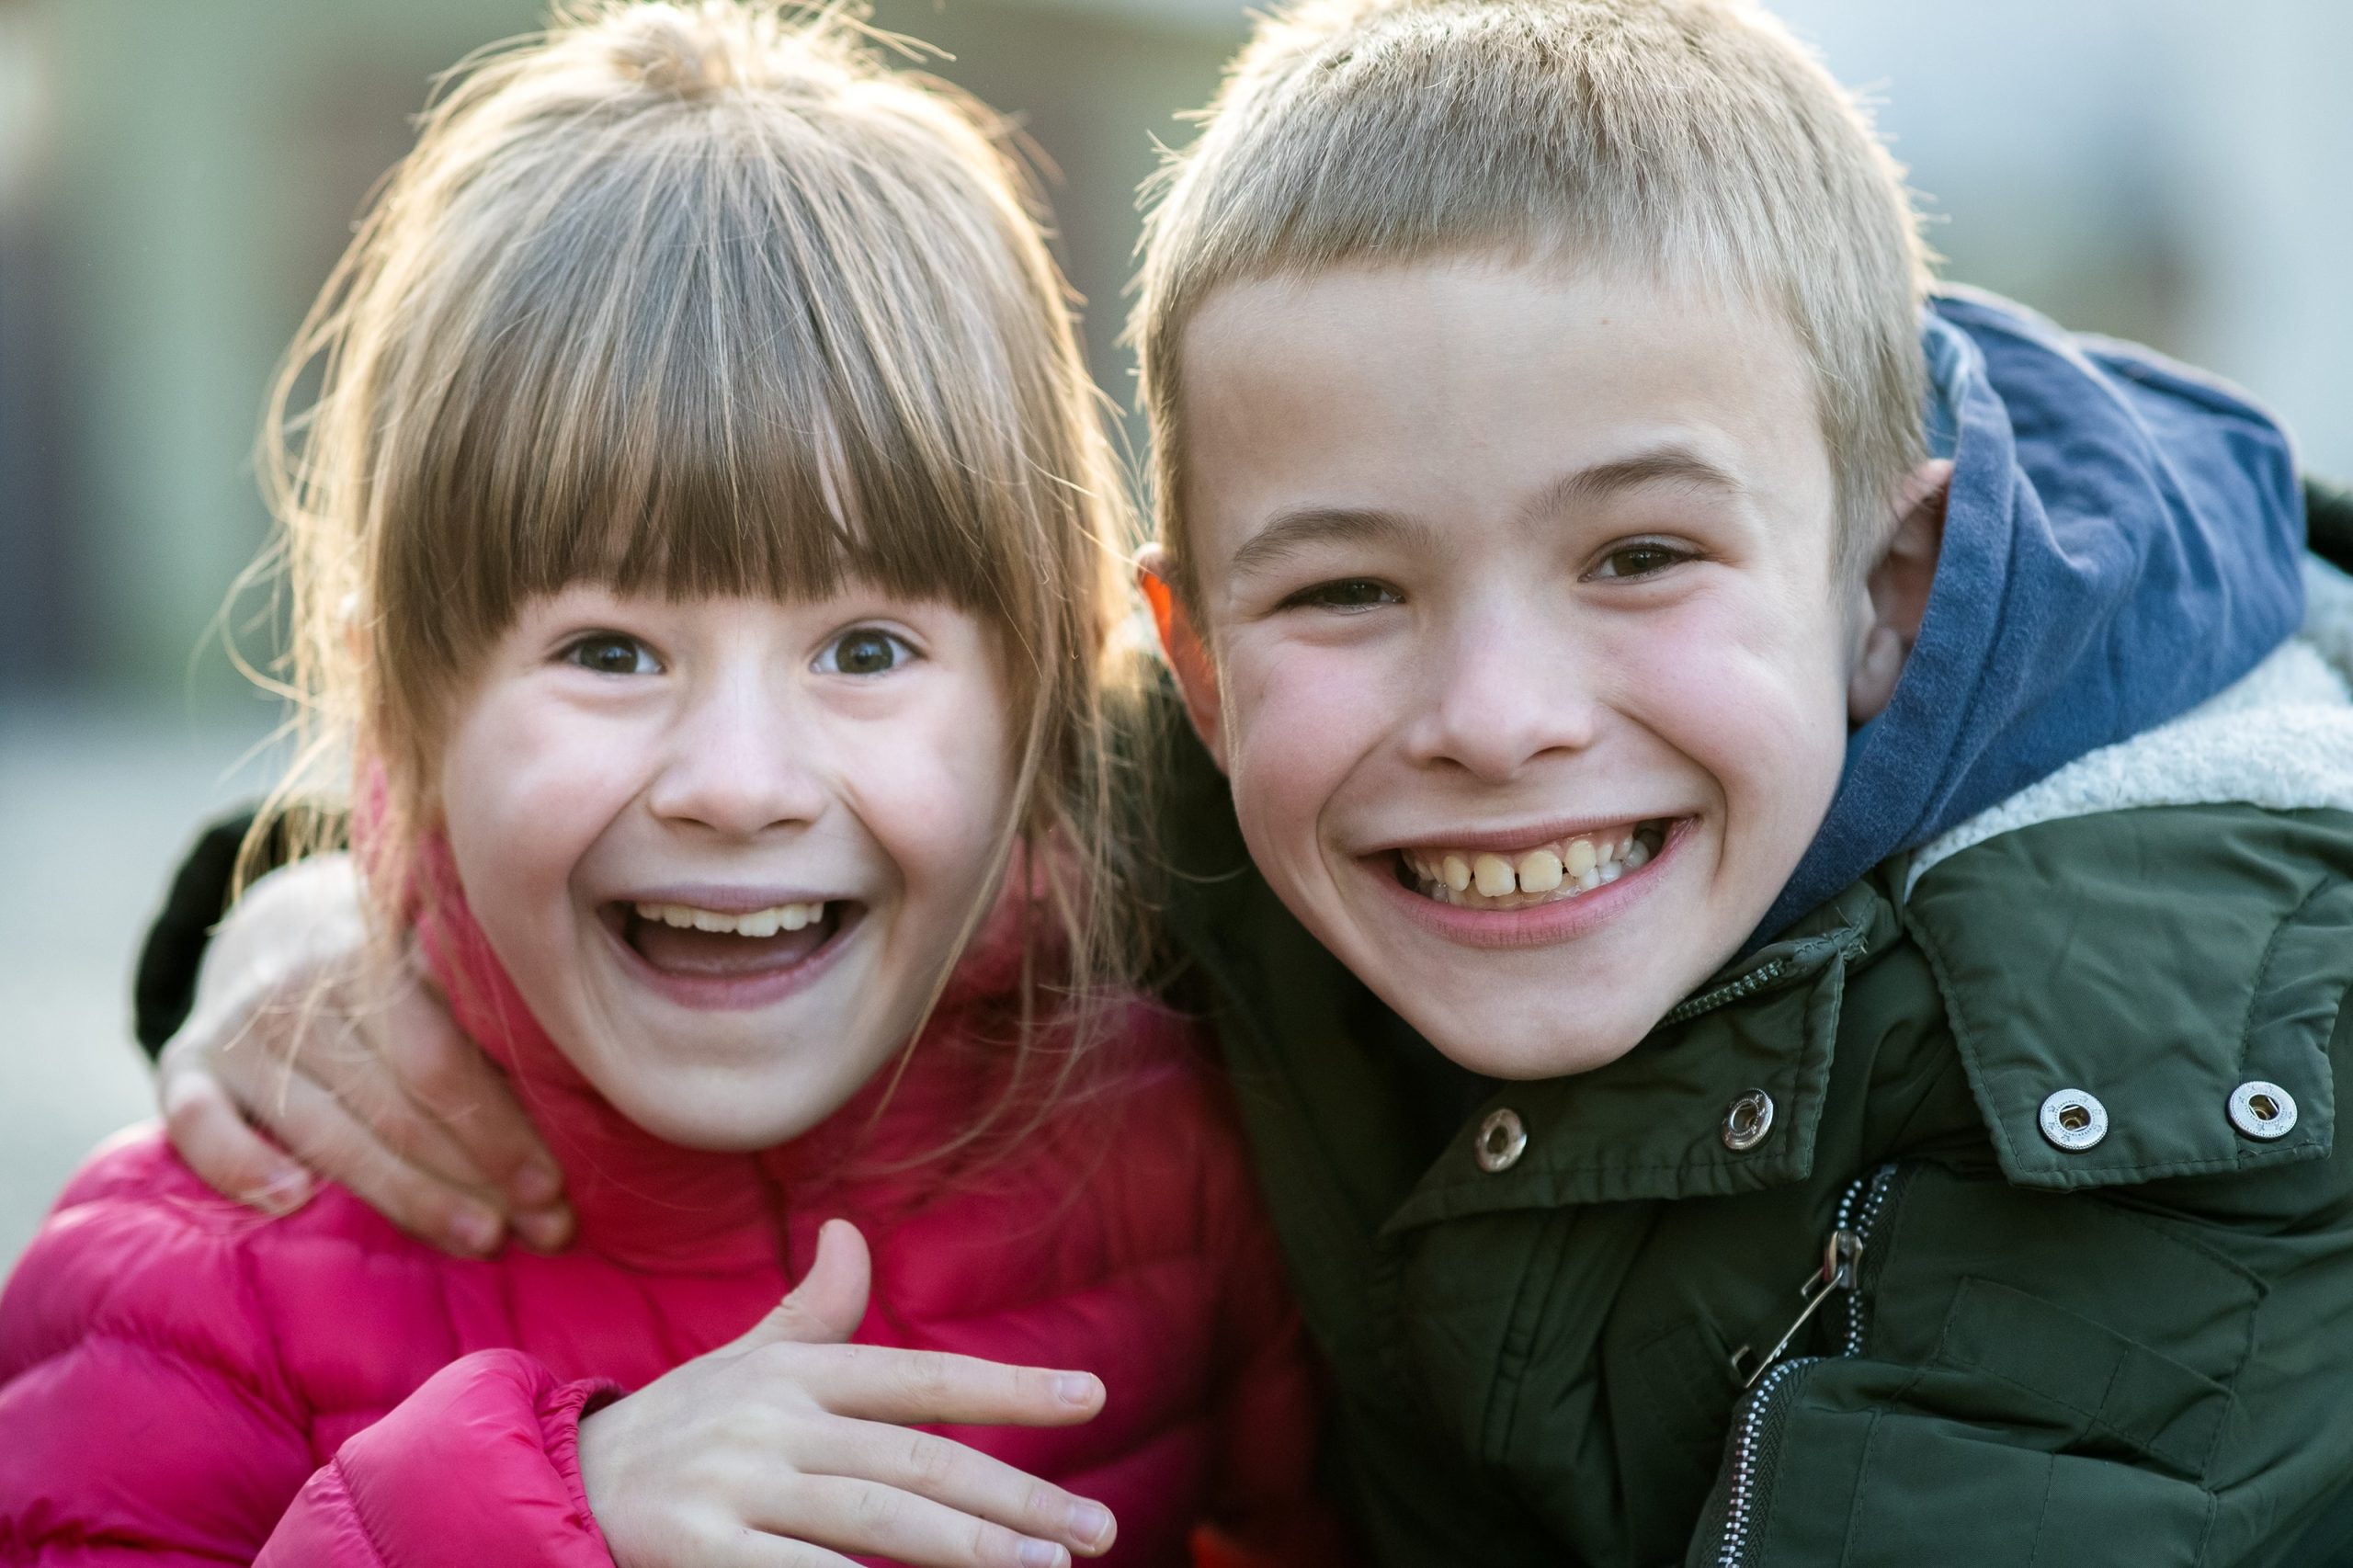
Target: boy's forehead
1471, 384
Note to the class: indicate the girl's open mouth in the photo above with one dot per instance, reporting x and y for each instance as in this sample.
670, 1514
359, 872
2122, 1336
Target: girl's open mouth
688, 943
1551, 872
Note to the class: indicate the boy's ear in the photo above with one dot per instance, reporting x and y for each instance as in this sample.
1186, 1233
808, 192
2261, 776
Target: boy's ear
1187, 656
1897, 589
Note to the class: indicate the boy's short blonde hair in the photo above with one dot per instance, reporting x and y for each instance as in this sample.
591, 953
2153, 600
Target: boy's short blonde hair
1694, 142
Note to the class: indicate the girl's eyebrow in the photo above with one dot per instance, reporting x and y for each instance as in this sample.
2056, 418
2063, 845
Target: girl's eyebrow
1296, 529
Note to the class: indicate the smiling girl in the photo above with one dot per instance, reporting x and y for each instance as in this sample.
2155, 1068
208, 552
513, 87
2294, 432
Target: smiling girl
697, 540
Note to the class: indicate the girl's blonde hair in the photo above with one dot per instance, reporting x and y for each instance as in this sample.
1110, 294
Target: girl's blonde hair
699, 298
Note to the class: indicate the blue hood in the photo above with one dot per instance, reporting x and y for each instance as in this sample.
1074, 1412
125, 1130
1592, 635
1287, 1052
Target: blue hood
2123, 538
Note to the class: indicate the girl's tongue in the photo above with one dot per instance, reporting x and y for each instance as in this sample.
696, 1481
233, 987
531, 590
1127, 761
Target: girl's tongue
681, 941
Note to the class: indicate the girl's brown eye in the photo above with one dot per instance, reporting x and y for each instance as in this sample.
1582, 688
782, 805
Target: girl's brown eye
612, 653
865, 651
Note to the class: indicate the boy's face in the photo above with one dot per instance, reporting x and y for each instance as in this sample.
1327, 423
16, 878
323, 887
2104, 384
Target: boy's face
1532, 670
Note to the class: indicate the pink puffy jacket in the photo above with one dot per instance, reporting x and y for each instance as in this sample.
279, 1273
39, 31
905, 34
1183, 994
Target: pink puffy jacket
182, 1380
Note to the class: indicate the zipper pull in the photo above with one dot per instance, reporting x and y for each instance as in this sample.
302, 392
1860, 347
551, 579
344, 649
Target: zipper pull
1841, 1256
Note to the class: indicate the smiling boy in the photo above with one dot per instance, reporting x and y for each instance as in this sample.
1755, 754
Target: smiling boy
1776, 1100
1788, 1005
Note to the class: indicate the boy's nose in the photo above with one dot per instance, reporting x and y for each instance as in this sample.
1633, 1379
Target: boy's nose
1498, 697
736, 765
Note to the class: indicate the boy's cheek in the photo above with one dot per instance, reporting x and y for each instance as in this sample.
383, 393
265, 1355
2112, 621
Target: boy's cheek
1292, 722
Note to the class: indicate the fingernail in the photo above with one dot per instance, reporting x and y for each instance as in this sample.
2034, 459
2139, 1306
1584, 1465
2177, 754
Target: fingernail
1074, 1388
475, 1231
1042, 1554
287, 1190
1089, 1523
536, 1184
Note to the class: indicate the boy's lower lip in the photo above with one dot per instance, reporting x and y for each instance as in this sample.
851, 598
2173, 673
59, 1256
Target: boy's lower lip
733, 992
1533, 926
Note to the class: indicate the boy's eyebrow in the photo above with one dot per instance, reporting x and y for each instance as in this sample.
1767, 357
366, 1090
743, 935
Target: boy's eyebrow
1295, 529
1669, 464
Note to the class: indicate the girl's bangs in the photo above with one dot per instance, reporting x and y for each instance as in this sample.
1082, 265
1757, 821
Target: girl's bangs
683, 408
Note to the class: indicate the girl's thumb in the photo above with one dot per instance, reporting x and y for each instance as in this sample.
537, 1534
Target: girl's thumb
827, 1306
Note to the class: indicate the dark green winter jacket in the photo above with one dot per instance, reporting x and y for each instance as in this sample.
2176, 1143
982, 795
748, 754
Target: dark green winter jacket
2061, 1116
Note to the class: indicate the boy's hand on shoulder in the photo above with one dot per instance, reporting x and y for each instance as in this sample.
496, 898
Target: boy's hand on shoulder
368, 1084
792, 1447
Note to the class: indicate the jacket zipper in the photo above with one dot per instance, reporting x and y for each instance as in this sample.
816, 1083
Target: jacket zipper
1730, 991
1748, 985
1858, 1211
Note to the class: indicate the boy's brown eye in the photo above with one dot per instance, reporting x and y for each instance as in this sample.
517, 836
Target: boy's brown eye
1639, 560
1349, 593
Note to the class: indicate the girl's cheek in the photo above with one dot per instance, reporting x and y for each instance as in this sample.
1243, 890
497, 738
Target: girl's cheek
529, 783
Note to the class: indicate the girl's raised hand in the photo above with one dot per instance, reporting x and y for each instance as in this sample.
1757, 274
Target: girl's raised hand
789, 1447
365, 1081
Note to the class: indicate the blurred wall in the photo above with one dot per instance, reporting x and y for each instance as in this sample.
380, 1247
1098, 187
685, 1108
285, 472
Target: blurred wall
2176, 171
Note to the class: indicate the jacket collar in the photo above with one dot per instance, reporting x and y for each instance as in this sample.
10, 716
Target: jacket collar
1651, 1124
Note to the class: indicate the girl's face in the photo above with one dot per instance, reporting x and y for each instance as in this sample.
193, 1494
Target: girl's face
724, 847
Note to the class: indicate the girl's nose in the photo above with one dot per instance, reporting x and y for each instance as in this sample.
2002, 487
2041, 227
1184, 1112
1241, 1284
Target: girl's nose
1500, 690
738, 765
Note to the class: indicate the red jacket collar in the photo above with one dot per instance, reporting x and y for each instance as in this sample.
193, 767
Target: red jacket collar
654, 1204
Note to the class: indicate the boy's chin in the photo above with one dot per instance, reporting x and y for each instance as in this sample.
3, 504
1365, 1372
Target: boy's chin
1505, 1046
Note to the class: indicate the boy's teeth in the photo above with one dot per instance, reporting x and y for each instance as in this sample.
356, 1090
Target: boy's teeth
1578, 864
753, 923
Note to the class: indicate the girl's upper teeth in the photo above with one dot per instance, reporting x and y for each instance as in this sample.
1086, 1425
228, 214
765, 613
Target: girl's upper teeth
1581, 863
753, 923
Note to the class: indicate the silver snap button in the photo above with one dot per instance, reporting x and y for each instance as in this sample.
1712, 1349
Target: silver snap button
2263, 1110
1747, 1121
2074, 1121
1503, 1137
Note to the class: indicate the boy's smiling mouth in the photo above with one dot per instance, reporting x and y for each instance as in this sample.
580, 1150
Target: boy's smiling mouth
1548, 871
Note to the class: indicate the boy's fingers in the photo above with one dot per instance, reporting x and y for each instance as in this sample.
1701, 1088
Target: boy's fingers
325, 1137
970, 1482
906, 1387
336, 1057
862, 1516
448, 1075
226, 1155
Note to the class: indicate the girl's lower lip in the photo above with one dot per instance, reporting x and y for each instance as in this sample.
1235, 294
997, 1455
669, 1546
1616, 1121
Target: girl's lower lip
1533, 925
731, 993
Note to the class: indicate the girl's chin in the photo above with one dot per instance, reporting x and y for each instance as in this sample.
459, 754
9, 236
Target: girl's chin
719, 1110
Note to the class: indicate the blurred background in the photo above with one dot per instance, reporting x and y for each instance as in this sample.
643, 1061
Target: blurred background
178, 175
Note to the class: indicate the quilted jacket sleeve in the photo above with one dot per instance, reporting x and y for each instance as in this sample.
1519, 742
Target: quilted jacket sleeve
146, 1415
480, 1465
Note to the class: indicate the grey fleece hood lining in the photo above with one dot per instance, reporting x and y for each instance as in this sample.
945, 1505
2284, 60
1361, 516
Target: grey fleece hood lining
2280, 737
